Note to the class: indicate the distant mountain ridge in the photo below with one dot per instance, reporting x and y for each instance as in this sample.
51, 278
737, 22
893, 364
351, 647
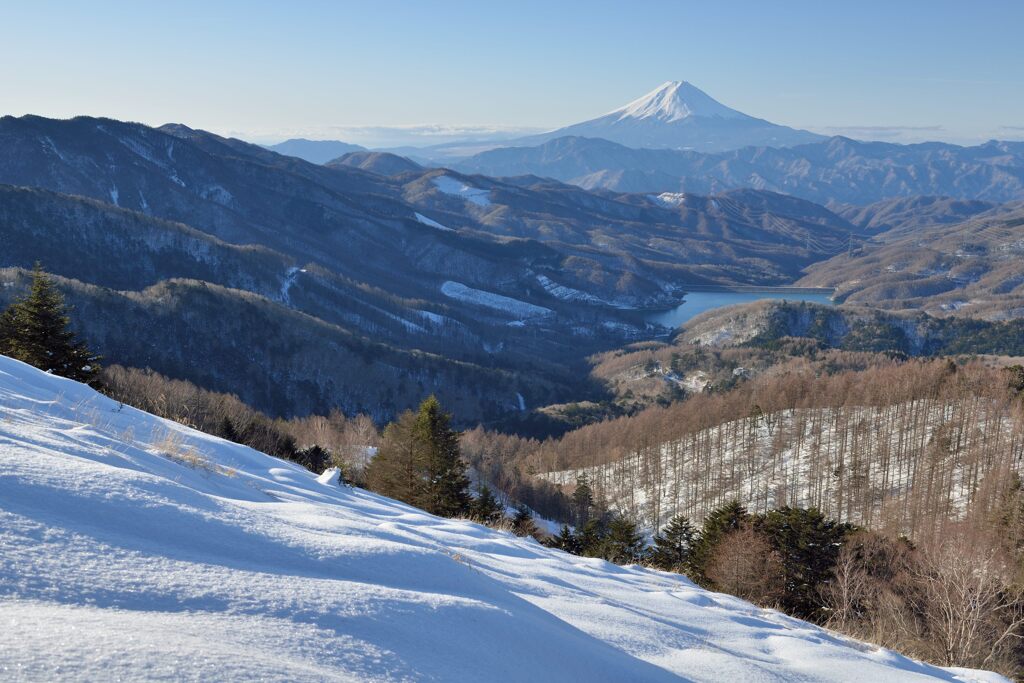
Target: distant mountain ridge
381, 163
837, 169
315, 151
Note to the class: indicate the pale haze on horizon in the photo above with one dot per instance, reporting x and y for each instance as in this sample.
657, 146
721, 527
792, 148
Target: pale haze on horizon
357, 71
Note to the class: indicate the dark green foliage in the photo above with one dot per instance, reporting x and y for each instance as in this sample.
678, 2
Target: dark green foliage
226, 429
485, 508
522, 522
565, 540
624, 544
590, 538
808, 544
582, 499
1016, 379
314, 458
447, 492
262, 435
419, 462
35, 330
672, 545
730, 517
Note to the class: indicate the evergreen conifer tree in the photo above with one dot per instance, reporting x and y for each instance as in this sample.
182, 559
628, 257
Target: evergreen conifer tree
485, 507
624, 544
565, 540
447, 491
730, 517
35, 330
522, 522
809, 544
582, 499
419, 462
314, 458
226, 429
591, 537
672, 545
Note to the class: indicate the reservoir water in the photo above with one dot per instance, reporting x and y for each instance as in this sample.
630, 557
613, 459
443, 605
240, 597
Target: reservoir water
696, 303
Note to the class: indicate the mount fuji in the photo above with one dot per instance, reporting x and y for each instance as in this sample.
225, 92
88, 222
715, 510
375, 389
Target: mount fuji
679, 115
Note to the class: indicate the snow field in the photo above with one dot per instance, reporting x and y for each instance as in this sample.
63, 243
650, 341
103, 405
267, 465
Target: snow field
514, 307
452, 186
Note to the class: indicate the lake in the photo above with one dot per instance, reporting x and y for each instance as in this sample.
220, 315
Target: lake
696, 303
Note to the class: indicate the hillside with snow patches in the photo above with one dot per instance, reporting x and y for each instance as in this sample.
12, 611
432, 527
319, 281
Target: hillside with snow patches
863, 464
137, 548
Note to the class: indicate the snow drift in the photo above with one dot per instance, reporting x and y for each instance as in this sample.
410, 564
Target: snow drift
135, 548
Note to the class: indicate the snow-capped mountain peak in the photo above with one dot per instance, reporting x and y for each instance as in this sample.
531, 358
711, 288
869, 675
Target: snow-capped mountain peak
674, 101
679, 115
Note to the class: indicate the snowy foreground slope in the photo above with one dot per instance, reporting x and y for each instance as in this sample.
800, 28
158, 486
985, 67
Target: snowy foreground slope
134, 548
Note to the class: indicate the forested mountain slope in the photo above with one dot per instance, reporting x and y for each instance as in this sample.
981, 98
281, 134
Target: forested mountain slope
519, 281
834, 170
904, 447
971, 268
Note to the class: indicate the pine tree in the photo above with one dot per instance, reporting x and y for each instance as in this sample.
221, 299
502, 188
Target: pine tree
565, 540
226, 429
419, 462
591, 536
808, 544
672, 545
522, 522
582, 499
35, 330
399, 468
730, 517
624, 543
485, 507
447, 491
314, 458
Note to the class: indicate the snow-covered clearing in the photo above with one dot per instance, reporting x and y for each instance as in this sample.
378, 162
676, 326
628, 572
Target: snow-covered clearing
452, 186
134, 548
514, 307
669, 199
430, 223
436, 318
565, 293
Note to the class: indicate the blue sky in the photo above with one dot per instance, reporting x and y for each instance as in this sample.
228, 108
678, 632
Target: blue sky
268, 70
